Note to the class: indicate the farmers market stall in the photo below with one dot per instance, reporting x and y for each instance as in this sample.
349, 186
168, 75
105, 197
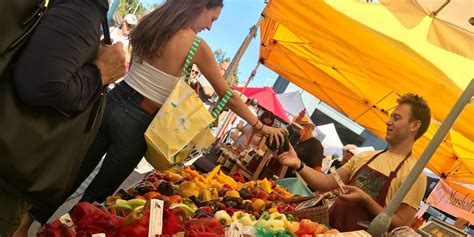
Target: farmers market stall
184, 201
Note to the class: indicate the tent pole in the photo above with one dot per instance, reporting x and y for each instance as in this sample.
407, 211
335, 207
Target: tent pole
136, 8
252, 75
231, 114
233, 64
381, 223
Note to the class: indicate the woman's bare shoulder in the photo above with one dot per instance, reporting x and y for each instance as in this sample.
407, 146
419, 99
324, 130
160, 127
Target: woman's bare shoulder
183, 37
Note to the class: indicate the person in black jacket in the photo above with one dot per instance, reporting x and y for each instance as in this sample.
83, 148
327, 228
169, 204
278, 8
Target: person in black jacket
63, 66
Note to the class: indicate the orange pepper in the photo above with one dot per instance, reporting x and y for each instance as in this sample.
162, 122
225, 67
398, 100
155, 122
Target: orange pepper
176, 199
151, 194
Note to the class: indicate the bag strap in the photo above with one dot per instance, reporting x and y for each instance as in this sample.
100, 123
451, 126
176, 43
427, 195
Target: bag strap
222, 102
35, 18
187, 64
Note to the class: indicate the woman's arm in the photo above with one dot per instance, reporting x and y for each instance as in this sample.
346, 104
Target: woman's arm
204, 59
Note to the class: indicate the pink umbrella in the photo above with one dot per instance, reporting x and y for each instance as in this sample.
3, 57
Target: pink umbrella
267, 99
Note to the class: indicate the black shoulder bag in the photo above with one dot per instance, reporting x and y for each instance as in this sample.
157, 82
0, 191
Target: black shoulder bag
41, 149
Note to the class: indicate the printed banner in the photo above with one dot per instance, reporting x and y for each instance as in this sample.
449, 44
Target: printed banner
453, 199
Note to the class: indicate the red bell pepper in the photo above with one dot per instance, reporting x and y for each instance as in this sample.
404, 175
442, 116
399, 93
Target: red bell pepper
82, 210
203, 227
173, 223
56, 230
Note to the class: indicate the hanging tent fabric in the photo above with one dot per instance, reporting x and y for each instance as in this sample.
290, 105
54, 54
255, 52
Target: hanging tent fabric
291, 102
450, 21
361, 72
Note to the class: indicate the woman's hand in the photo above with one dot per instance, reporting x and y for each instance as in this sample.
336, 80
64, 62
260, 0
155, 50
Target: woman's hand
276, 134
290, 158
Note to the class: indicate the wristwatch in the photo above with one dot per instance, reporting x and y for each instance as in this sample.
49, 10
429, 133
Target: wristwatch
299, 168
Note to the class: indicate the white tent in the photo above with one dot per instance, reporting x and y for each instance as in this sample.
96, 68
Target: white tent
331, 142
292, 103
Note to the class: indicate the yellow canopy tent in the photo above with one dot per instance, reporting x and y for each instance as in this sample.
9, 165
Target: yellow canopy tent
360, 72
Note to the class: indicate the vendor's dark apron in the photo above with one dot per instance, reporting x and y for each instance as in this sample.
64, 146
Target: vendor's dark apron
344, 215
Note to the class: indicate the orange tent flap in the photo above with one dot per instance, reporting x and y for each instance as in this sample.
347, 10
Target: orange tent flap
358, 71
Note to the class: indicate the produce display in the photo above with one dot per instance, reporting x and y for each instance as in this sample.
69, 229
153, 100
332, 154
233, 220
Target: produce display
194, 205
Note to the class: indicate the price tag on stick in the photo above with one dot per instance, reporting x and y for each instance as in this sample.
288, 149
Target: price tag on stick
156, 217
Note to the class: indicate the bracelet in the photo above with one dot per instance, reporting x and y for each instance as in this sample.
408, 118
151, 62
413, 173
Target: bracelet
300, 168
256, 123
261, 127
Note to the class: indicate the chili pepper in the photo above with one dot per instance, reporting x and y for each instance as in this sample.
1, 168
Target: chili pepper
110, 200
133, 216
281, 207
207, 209
230, 210
238, 177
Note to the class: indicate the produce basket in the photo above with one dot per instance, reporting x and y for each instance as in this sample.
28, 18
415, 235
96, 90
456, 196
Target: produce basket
318, 213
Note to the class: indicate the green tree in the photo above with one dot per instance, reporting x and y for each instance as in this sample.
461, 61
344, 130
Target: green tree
130, 6
220, 56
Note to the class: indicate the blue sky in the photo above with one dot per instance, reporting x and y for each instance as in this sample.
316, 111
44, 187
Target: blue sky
230, 30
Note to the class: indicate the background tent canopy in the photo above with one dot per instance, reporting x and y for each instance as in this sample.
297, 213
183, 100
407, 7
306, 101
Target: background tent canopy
267, 99
292, 103
361, 72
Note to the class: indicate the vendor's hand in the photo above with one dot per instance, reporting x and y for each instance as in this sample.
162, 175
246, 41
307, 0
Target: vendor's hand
111, 62
353, 194
276, 134
290, 158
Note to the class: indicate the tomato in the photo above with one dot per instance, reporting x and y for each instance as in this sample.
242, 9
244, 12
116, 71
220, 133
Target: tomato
307, 227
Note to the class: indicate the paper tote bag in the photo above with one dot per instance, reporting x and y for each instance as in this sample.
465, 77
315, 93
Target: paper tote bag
179, 120
181, 126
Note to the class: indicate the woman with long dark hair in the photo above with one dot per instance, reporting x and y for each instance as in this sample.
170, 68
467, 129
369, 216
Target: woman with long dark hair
161, 43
